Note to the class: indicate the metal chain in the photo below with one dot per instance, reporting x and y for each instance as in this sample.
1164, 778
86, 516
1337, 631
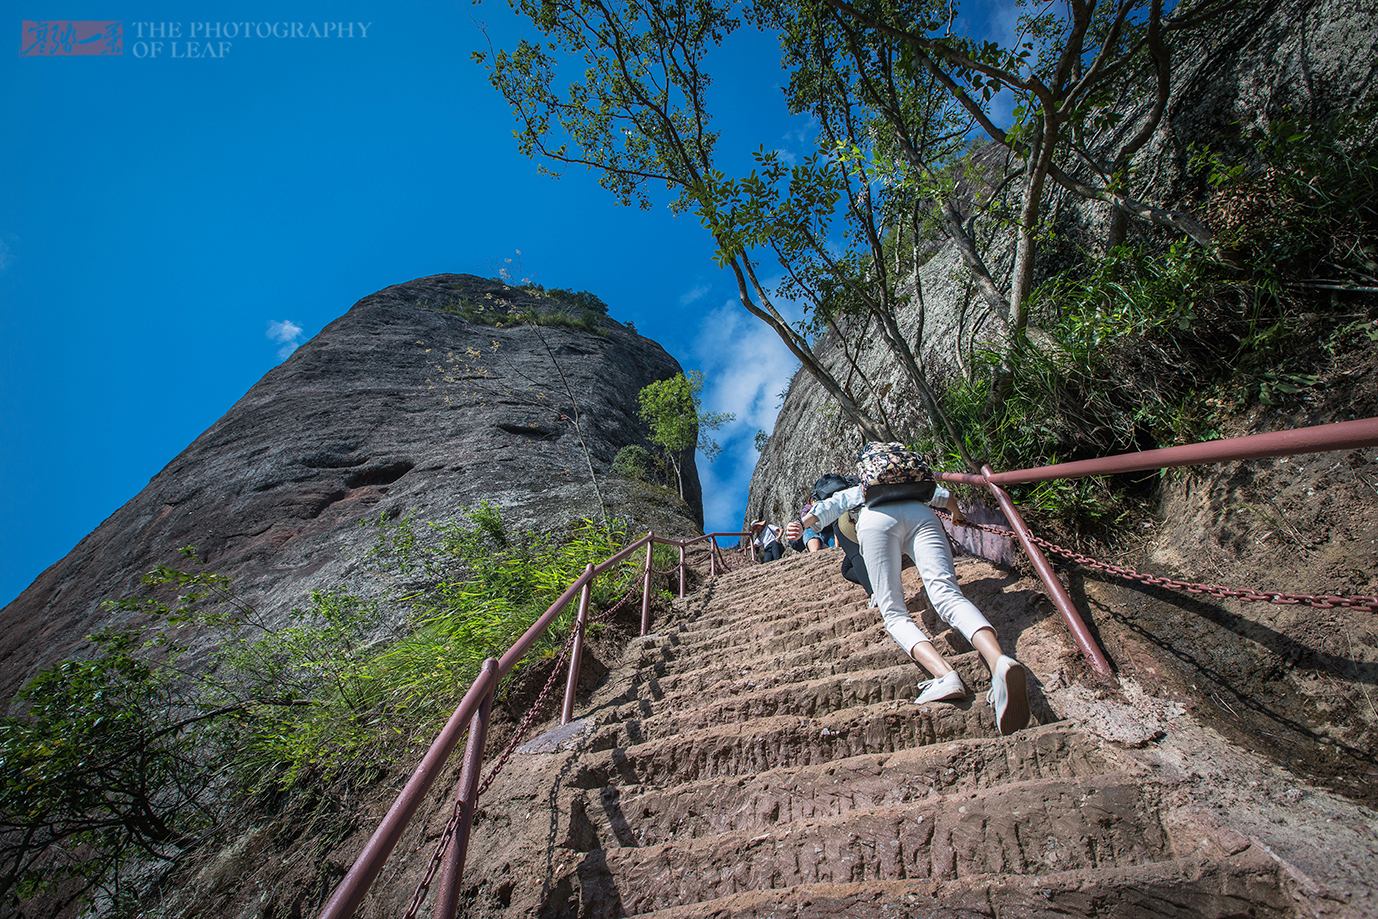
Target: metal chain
1318, 601
424, 887
531, 713
735, 559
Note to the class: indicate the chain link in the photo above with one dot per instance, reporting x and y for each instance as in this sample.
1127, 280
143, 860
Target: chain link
1247, 594
424, 887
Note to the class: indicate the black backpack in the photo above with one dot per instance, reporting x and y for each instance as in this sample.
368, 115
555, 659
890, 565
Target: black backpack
831, 484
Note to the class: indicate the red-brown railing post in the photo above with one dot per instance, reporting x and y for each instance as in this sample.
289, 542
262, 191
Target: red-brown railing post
1056, 592
447, 895
567, 714
681, 571
646, 586
350, 892
712, 558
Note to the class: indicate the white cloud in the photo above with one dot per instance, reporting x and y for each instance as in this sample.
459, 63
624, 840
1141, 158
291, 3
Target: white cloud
286, 333
697, 293
745, 366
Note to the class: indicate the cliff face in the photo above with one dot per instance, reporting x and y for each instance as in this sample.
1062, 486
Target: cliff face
1266, 59
1305, 525
397, 407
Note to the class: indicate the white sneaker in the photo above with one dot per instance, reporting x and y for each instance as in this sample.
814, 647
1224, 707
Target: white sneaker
942, 689
1009, 695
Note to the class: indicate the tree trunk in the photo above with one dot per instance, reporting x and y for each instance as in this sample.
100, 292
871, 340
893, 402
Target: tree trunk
800, 349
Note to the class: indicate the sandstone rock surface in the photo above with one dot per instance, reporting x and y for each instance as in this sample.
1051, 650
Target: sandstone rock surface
761, 755
399, 406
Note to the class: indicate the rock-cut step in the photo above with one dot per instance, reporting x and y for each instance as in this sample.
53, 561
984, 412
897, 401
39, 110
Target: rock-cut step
666, 665
735, 749
1245, 884
1095, 823
639, 815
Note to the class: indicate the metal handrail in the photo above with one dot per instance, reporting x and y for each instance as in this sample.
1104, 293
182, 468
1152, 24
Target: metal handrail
1320, 438
473, 712
477, 702
1344, 435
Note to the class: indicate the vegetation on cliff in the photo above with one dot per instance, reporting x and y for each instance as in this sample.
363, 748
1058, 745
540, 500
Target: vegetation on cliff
140, 751
1184, 287
679, 424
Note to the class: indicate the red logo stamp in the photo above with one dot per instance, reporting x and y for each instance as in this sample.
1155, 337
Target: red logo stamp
64, 37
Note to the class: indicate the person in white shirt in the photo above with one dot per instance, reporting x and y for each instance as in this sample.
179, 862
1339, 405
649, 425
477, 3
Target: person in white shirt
887, 531
766, 537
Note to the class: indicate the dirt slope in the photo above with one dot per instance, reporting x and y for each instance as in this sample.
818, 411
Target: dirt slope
760, 755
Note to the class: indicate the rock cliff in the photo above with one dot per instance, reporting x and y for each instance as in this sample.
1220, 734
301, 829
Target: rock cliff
400, 406
1267, 59
1294, 686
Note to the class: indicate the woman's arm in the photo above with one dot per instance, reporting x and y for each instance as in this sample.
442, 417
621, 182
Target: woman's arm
958, 517
829, 509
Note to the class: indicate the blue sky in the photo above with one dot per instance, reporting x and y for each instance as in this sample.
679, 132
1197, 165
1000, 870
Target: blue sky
170, 227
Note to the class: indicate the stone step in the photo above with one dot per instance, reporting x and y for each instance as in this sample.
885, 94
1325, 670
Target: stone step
641, 815
675, 713
760, 636
649, 711
674, 671
1247, 884
745, 748
1035, 828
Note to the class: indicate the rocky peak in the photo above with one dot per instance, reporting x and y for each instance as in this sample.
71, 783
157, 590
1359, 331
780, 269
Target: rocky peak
426, 398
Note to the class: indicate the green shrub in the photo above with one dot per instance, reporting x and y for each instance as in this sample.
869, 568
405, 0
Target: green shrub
582, 299
119, 755
1142, 347
634, 462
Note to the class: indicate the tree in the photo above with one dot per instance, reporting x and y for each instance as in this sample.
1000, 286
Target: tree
639, 115
679, 425
897, 94
1066, 126
105, 763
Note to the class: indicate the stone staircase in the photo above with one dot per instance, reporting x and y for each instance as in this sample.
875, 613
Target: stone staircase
761, 756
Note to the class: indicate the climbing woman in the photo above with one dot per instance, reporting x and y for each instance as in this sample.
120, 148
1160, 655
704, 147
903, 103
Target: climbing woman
892, 523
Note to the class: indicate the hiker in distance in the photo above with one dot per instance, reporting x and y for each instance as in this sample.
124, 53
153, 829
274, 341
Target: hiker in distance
842, 532
894, 519
809, 541
766, 537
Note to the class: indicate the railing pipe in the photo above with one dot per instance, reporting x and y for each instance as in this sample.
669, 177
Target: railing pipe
613, 560
646, 587
681, 570
523, 644
961, 478
1056, 592
1321, 438
349, 894
576, 656
352, 888
452, 873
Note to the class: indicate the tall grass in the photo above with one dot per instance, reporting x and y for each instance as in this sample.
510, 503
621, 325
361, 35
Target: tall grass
139, 754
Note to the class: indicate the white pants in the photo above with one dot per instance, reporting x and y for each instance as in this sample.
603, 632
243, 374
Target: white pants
888, 531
